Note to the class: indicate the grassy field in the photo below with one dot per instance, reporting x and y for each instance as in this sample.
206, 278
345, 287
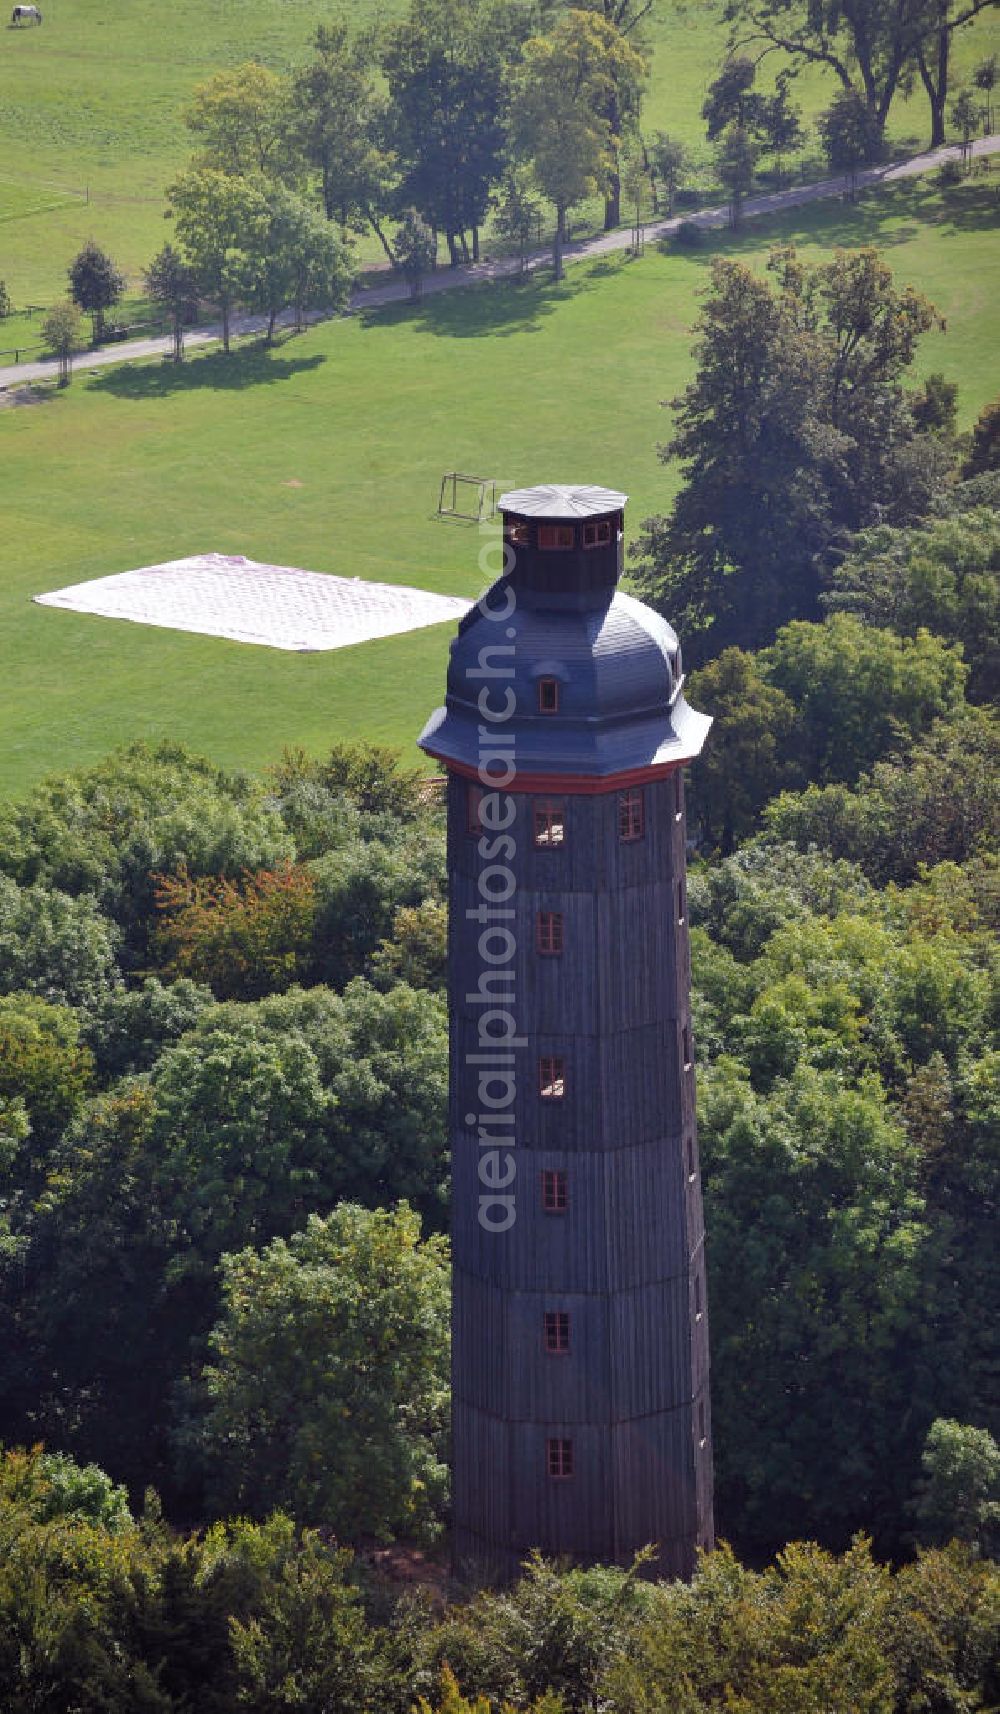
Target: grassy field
91, 105
327, 454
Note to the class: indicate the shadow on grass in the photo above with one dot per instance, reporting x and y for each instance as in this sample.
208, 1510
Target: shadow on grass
491, 308
886, 216
255, 366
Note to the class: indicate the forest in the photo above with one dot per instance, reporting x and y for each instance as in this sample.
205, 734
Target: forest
224, 1175
223, 1072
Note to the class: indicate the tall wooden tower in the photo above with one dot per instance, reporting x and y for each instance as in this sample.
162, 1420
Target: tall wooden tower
580, 1370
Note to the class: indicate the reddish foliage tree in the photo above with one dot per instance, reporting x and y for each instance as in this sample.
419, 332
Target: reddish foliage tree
245, 938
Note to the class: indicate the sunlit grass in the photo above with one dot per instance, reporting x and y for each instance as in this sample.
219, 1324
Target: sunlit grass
525, 382
92, 102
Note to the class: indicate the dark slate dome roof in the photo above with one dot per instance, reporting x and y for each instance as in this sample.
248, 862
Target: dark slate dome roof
621, 705
556, 614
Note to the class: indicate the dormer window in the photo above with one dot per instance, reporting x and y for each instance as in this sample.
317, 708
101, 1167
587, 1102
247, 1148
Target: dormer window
557, 537
597, 534
548, 696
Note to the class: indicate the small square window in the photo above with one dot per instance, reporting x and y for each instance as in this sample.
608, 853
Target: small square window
631, 814
597, 534
548, 696
551, 1078
557, 1331
549, 933
559, 1458
473, 799
555, 1192
518, 533
550, 823
560, 536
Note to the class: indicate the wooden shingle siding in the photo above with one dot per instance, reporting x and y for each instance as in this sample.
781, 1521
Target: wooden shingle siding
571, 1517
621, 1260
654, 1460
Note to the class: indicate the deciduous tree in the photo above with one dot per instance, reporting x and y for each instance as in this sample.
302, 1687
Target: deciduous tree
327, 1388
959, 1494
302, 263
669, 162
559, 103
869, 45
170, 282
95, 284
849, 136
754, 749
943, 574
444, 64
794, 432
964, 115
221, 221
340, 126
62, 336
241, 117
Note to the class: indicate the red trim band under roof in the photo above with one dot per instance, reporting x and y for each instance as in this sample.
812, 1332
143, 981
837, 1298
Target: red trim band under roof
573, 785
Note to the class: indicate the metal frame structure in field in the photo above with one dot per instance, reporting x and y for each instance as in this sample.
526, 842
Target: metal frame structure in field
581, 1419
486, 490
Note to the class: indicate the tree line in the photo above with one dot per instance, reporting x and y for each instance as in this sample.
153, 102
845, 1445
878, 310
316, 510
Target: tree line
424, 129
223, 1038
105, 1610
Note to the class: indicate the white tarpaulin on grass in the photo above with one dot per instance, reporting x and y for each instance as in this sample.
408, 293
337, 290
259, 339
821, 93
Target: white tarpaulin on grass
225, 595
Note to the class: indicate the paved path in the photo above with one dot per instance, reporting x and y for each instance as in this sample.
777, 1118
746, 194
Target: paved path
448, 279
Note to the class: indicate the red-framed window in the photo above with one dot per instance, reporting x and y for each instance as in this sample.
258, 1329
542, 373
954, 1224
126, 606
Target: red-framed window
473, 798
551, 1078
556, 536
556, 1332
559, 1458
555, 1191
632, 814
549, 933
597, 534
548, 696
550, 823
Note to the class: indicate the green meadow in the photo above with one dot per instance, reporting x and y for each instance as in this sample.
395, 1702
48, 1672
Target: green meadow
92, 102
327, 453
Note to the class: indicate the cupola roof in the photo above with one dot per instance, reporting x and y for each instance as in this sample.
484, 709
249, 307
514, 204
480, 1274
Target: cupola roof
579, 683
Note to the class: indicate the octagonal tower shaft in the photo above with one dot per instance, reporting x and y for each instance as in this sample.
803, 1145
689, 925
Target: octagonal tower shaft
581, 1419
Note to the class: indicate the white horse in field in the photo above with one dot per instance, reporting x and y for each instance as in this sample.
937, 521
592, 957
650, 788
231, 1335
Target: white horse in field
26, 15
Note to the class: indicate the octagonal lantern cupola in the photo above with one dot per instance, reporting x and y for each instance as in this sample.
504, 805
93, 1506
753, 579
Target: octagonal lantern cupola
605, 664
